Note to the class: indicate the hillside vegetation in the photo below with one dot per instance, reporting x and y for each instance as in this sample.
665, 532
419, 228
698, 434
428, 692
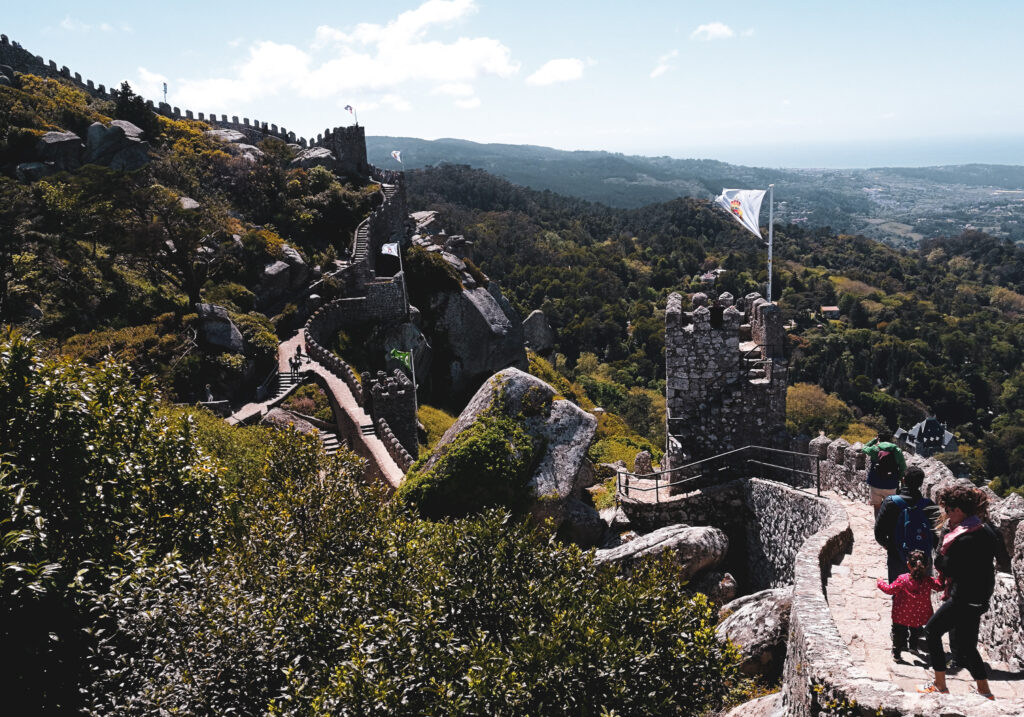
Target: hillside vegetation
897, 205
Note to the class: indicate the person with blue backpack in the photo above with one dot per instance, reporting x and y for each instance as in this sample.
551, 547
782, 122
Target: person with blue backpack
907, 521
886, 470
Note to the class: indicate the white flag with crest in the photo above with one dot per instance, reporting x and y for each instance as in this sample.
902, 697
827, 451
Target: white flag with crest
390, 249
744, 204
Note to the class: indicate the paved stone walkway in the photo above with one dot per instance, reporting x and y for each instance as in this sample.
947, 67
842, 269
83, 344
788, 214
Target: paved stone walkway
342, 393
862, 613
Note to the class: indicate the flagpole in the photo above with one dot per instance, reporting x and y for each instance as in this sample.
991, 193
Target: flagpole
405, 290
771, 224
412, 367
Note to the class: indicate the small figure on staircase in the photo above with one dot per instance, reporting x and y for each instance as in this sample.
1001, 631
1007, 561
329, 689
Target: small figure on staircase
911, 602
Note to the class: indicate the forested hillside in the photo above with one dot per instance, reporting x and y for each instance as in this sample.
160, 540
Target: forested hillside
931, 331
899, 206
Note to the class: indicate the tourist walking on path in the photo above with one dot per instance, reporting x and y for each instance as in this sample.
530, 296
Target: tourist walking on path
887, 468
965, 561
907, 521
911, 600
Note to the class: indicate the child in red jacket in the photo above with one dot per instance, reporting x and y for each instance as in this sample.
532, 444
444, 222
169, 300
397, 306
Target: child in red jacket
911, 600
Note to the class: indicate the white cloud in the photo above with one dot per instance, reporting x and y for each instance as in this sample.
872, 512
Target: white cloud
749, 32
70, 24
470, 104
712, 31
664, 64
150, 84
367, 58
455, 89
561, 70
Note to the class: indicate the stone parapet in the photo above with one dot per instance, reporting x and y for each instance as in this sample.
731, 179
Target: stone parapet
394, 446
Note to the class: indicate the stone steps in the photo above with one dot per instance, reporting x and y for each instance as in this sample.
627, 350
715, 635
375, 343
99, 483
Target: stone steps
368, 429
332, 443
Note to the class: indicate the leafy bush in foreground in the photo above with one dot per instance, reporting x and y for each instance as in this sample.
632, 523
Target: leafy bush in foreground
163, 562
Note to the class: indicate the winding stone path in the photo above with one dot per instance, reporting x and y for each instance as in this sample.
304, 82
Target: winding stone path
375, 450
862, 613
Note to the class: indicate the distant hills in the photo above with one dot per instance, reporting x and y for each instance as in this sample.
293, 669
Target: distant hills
897, 205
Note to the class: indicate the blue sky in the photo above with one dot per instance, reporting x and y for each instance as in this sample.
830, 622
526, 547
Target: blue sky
785, 83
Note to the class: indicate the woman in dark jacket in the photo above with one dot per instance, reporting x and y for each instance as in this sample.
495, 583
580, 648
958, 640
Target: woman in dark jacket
965, 560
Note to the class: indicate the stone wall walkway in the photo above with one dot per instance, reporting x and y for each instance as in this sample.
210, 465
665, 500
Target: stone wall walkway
375, 450
862, 613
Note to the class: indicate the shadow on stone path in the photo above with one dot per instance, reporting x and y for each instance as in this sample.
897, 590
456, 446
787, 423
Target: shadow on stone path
862, 613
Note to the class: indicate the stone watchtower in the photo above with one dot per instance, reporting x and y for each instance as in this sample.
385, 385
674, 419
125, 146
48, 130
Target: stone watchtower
725, 376
393, 399
349, 146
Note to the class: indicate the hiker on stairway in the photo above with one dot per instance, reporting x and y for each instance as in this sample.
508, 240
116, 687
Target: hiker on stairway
907, 521
886, 469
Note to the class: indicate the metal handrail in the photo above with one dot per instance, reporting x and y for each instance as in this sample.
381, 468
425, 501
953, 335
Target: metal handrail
623, 484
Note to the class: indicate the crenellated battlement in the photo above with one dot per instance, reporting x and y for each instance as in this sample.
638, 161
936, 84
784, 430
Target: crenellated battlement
725, 375
347, 143
392, 399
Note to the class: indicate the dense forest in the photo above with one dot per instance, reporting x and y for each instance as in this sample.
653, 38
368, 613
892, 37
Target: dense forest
932, 331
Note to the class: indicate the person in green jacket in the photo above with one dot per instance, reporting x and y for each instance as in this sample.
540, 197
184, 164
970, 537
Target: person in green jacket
886, 470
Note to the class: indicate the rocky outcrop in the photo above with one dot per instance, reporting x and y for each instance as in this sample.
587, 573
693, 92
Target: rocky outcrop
482, 333
767, 706
694, 549
537, 332
119, 146
758, 624
216, 328
227, 135
558, 428
61, 150
315, 157
282, 419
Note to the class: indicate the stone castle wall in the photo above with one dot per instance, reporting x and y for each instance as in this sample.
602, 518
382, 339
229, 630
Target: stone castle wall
347, 143
767, 523
717, 398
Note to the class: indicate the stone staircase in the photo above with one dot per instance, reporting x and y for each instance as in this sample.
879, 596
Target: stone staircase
331, 442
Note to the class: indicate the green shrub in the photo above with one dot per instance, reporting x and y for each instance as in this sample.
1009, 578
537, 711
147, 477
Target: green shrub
231, 295
436, 422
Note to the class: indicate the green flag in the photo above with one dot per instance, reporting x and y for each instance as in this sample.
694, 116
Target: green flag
405, 357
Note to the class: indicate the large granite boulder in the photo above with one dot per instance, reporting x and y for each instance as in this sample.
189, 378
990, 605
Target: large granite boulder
693, 548
119, 146
758, 624
33, 171
315, 157
227, 135
483, 334
537, 332
275, 281
298, 272
515, 423
61, 149
281, 419
216, 328
766, 706
1006, 516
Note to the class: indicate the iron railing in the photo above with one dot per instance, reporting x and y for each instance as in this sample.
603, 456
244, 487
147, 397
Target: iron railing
738, 463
